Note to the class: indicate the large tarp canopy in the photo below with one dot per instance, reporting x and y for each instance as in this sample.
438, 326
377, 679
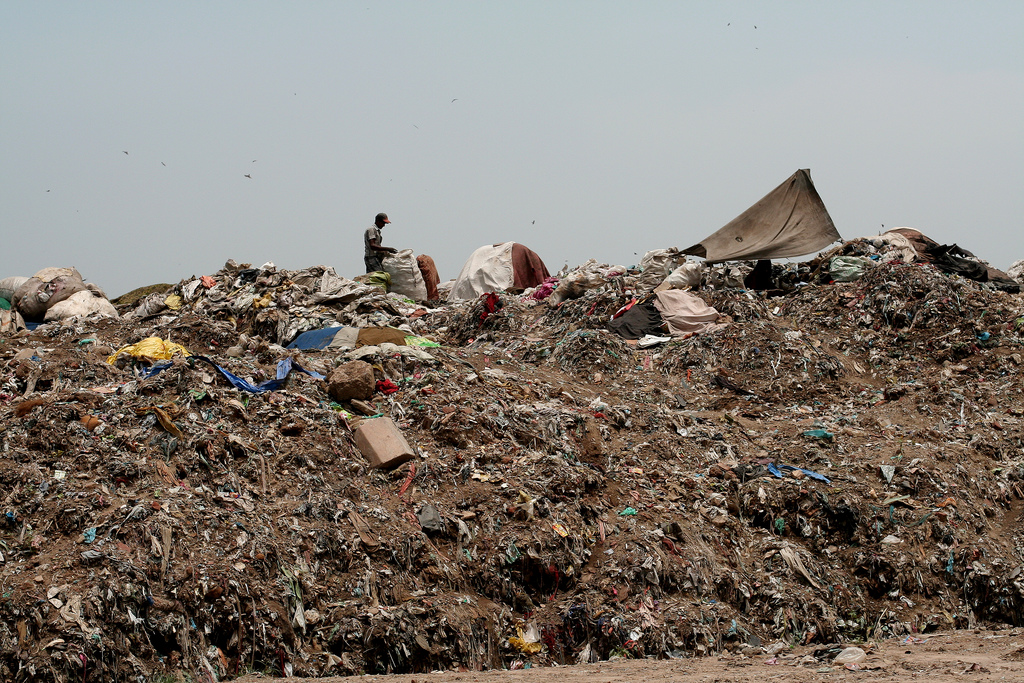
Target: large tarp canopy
791, 220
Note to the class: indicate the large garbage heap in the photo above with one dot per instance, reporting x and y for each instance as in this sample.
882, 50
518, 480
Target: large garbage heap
840, 462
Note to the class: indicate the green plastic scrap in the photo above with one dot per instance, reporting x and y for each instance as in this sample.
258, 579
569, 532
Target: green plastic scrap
627, 512
413, 340
512, 553
380, 279
820, 434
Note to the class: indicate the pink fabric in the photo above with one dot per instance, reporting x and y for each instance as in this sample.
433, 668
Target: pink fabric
544, 290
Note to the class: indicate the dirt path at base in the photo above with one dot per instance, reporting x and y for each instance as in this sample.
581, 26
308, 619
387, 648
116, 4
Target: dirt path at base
977, 656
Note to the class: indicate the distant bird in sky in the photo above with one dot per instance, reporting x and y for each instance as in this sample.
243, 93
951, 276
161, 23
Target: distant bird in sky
125, 151
248, 176
162, 163
254, 161
533, 222
47, 190
455, 99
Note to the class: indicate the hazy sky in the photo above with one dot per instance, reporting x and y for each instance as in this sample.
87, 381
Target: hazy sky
581, 129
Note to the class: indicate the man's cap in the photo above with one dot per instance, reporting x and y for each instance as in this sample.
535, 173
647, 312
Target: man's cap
382, 217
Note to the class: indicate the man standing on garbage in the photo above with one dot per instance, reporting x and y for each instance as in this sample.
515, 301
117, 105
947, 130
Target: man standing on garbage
373, 252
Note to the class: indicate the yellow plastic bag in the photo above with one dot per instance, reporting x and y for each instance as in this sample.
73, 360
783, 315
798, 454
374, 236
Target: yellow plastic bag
152, 348
520, 643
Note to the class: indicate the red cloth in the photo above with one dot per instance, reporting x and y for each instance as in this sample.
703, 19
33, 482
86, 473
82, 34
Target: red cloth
491, 304
527, 268
386, 386
430, 277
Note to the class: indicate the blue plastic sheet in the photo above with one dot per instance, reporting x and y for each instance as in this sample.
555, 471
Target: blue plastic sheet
777, 471
284, 368
315, 339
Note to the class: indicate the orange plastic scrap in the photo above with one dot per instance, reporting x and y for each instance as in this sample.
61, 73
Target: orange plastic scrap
164, 419
949, 501
208, 281
408, 479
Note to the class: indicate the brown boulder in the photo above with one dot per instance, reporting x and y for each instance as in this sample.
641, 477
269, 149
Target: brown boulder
351, 380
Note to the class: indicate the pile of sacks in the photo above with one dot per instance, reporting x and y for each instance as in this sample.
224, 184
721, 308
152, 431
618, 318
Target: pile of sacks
52, 294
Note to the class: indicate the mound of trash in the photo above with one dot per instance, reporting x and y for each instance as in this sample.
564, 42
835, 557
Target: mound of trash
294, 473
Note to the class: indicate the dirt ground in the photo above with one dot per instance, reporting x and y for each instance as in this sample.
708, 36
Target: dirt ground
978, 656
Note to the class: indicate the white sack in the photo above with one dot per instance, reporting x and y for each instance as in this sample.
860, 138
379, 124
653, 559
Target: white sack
9, 285
81, 304
656, 265
406, 278
687, 275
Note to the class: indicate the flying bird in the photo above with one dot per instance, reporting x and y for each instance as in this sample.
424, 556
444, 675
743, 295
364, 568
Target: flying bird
248, 176
455, 100
124, 151
162, 163
533, 222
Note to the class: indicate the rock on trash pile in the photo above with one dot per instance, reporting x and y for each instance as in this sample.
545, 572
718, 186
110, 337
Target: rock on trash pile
185, 498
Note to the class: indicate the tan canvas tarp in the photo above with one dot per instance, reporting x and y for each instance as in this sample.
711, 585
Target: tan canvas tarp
791, 220
685, 313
